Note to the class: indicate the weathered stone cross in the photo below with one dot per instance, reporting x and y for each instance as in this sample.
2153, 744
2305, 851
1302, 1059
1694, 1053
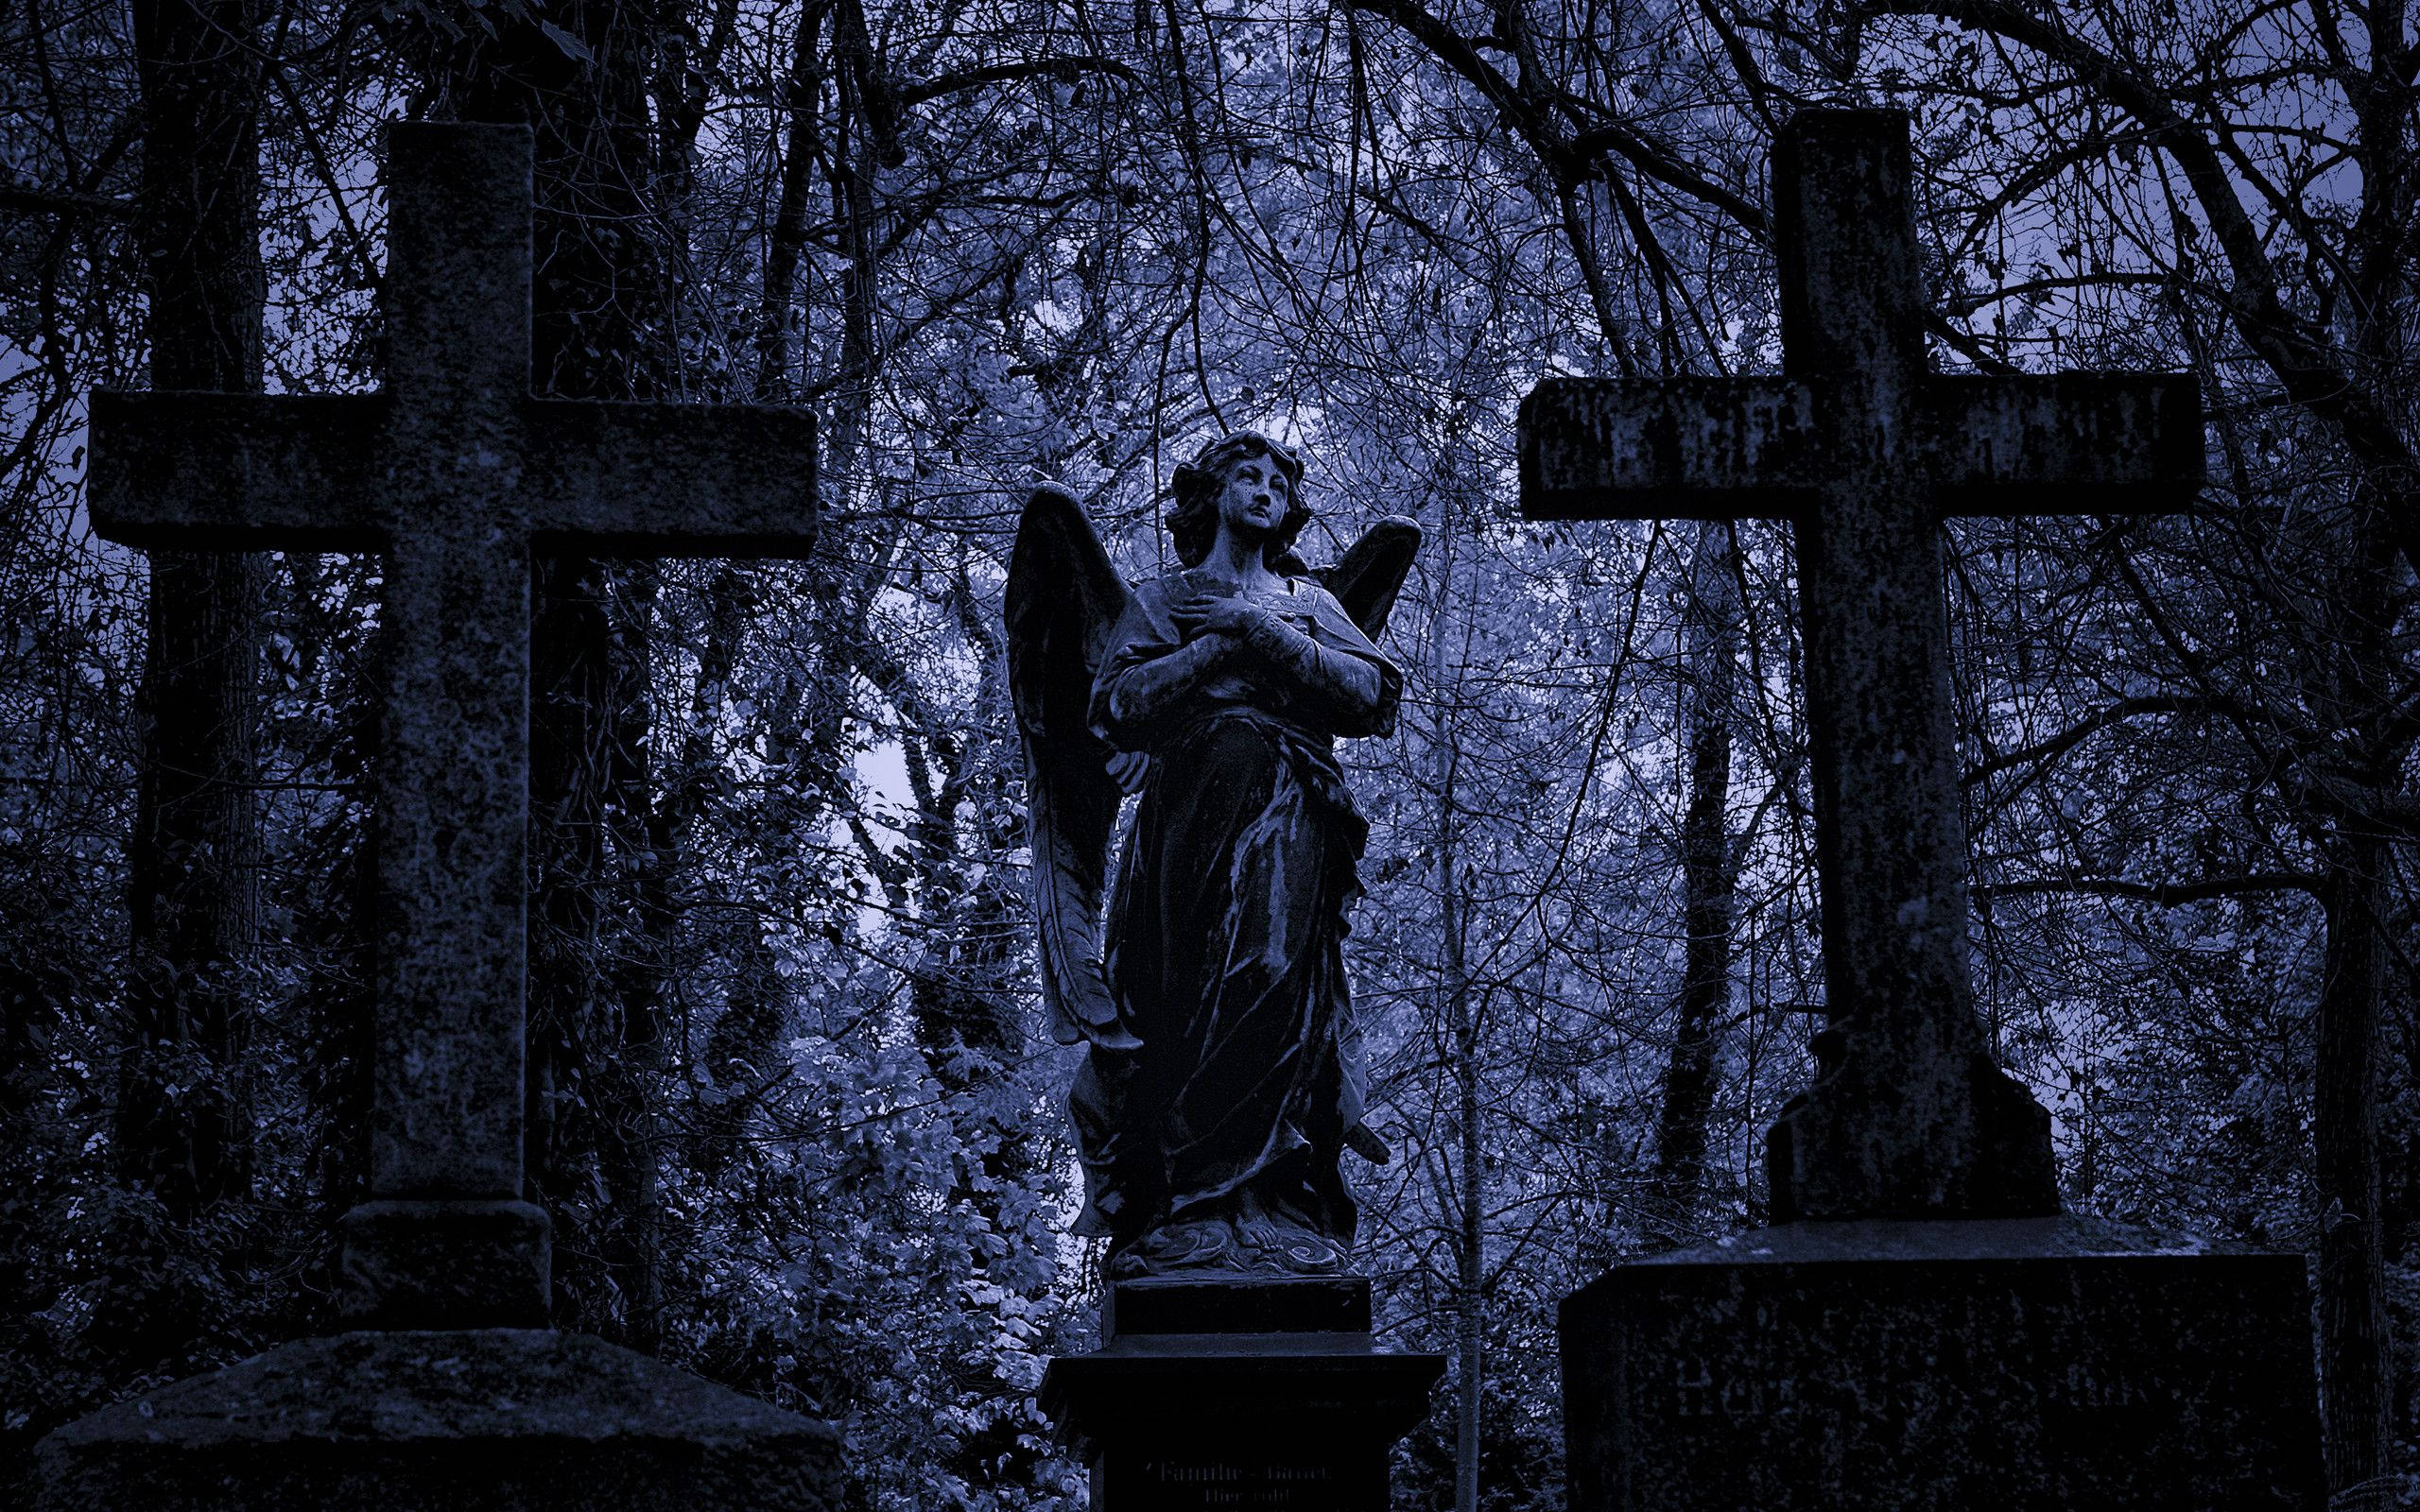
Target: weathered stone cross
455, 474
1866, 449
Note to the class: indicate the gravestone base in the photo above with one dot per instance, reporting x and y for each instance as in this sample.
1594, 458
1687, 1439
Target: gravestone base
1251, 1395
446, 1264
1941, 1367
471, 1421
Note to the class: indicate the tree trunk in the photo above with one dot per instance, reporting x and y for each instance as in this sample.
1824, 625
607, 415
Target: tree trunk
182, 1125
2356, 1357
2357, 1369
1462, 1028
642, 840
855, 160
1709, 650
1470, 1317
337, 931
776, 377
570, 771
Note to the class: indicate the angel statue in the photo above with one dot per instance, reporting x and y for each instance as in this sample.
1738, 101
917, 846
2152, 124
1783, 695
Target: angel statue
1223, 1078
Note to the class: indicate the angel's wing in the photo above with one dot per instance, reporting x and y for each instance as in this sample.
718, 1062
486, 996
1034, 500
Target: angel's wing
1064, 601
1370, 572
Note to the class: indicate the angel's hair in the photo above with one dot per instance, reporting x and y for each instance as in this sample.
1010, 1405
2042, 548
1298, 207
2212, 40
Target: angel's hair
1194, 523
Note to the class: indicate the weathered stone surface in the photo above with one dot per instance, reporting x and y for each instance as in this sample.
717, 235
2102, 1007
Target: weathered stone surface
1308, 1304
1944, 1367
310, 471
454, 1421
1684, 448
1866, 449
455, 474
477, 1265
2062, 444
1245, 1394
1758, 447
1223, 1081
1908, 1117
1987, 1354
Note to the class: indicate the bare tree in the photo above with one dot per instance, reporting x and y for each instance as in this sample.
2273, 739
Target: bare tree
1709, 658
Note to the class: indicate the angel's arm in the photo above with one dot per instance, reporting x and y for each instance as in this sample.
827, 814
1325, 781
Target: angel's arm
1348, 692
1151, 672
1330, 674
1144, 693
1349, 612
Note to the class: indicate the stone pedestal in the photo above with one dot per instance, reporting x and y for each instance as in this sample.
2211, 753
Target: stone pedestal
1944, 1367
474, 1420
463, 1264
1238, 1395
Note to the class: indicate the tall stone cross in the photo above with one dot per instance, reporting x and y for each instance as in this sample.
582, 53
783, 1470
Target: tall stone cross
1867, 449
456, 476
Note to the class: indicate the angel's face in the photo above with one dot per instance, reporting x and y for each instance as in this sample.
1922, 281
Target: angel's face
1254, 499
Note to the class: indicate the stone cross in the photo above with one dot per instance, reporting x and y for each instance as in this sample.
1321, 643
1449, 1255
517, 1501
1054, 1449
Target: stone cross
456, 476
1866, 450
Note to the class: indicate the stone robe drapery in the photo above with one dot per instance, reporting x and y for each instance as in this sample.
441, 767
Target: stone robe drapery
1226, 945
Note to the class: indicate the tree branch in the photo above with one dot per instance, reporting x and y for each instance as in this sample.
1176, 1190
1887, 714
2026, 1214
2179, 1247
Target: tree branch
2159, 894
1459, 54
2076, 735
1062, 69
1657, 162
2308, 367
64, 202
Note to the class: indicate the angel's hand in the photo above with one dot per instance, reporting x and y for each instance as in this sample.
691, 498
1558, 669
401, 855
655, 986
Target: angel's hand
1214, 615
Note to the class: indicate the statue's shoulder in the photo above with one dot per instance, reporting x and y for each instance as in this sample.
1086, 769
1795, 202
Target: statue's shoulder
1313, 596
1312, 591
1167, 588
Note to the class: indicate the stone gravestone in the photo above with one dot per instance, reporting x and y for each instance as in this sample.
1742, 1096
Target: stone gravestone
453, 1395
1922, 1329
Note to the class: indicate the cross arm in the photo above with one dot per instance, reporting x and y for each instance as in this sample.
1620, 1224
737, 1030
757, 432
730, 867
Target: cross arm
2065, 443
672, 480
1676, 449
1735, 448
235, 472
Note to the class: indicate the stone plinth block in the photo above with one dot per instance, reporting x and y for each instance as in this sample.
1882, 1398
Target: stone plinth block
1242, 1395
462, 1263
477, 1421
1944, 1367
